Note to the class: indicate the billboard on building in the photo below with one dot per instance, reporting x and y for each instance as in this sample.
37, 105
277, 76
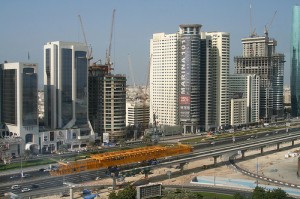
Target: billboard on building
184, 78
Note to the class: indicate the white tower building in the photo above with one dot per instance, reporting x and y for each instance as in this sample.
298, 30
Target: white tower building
164, 79
218, 79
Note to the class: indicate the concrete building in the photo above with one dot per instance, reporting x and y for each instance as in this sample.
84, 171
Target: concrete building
295, 62
107, 103
65, 88
238, 111
217, 98
188, 78
137, 113
114, 106
19, 114
248, 86
260, 58
287, 96
164, 79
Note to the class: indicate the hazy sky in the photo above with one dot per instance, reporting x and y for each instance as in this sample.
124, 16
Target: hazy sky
27, 25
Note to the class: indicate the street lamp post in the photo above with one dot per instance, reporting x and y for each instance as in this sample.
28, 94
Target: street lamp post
257, 172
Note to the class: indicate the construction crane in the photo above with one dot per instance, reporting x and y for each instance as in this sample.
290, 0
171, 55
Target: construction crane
131, 71
117, 158
108, 51
145, 94
268, 25
89, 51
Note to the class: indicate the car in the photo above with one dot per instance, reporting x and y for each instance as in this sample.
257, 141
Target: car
98, 178
42, 169
16, 186
34, 186
12, 177
26, 175
25, 189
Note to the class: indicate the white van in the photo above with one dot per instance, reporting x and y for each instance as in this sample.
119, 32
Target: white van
16, 186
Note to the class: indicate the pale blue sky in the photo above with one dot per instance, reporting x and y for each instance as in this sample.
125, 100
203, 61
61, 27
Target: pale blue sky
28, 25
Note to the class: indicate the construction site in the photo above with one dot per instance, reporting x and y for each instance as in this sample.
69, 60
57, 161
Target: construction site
112, 160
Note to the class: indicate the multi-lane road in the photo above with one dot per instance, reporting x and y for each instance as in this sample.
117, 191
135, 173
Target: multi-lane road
219, 147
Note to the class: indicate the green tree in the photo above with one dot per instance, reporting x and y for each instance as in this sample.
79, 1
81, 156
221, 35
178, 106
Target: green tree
259, 193
277, 194
128, 193
113, 195
182, 195
27, 154
238, 196
147, 139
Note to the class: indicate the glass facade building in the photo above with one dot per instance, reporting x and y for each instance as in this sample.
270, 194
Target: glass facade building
65, 82
19, 100
295, 62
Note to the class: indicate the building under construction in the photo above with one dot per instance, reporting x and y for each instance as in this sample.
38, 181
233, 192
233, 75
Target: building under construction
107, 103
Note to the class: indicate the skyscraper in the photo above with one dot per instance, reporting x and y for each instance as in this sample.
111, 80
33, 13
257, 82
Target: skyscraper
217, 99
65, 81
295, 63
260, 58
19, 100
188, 70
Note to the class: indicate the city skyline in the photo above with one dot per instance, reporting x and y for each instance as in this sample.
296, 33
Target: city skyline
28, 26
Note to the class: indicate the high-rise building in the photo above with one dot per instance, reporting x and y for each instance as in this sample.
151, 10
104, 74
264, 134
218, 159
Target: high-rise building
248, 86
260, 58
19, 82
188, 71
164, 79
217, 99
295, 62
107, 103
66, 91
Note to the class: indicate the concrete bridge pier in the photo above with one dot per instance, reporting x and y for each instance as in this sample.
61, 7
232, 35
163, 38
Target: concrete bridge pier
262, 150
278, 146
215, 160
71, 192
243, 153
114, 180
181, 165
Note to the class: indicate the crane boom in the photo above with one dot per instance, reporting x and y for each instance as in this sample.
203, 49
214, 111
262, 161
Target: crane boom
268, 25
130, 68
108, 53
89, 52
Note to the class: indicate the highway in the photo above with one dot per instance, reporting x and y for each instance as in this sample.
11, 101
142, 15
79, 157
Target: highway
201, 151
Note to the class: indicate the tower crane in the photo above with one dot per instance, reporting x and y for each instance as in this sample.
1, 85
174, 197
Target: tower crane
131, 71
268, 25
108, 52
89, 51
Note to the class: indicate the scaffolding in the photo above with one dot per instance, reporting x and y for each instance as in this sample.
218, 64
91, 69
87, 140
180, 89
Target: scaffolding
111, 159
